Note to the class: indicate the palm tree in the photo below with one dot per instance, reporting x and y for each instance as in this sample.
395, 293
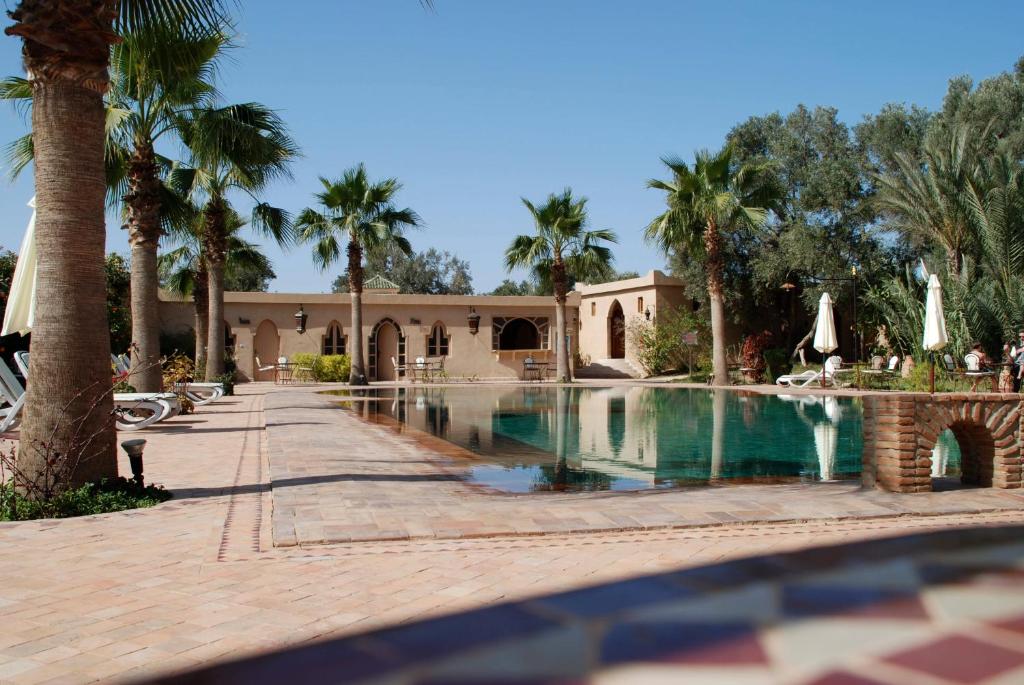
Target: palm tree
66, 49
929, 200
239, 148
153, 88
713, 198
183, 270
361, 214
561, 247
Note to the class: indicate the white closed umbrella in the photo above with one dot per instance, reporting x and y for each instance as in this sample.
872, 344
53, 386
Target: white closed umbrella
825, 331
935, 337
21, 301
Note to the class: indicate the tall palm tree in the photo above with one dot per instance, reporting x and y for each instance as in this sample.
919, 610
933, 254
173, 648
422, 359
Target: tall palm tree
66, 50
562, 246
183, 270
712, 198
239, 148
153, 88
929, 200
360, 213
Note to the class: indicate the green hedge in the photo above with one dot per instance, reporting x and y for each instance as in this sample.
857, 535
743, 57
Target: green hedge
329, 368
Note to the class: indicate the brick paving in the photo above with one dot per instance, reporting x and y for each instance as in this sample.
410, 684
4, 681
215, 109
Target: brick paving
129, 595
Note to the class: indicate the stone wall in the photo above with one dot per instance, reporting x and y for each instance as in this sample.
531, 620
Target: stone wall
900, 431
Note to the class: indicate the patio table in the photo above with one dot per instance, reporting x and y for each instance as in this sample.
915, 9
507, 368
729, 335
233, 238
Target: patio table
284, 373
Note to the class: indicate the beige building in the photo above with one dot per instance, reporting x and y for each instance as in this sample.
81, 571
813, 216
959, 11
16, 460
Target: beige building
478, 336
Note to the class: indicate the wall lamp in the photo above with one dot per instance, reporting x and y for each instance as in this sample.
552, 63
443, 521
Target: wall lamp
300, 320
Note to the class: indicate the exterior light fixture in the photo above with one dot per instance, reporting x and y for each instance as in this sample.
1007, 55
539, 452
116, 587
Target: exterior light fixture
647, 313
474, 321
134, 449
787, 286
300, 320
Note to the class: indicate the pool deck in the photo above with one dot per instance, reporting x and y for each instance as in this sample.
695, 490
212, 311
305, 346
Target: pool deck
336, 478
197, 580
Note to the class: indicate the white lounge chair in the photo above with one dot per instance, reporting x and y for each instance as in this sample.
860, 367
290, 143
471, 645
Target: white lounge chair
135, 410
201, 393
802, 380
13, 394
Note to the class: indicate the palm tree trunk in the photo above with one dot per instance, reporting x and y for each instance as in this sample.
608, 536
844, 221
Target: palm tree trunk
215, 254
716, 296
357, 376
143, 204
67, 437
201, 301
561, 348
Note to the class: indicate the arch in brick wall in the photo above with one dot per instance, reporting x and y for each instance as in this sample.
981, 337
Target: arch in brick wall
900, 432
988, 433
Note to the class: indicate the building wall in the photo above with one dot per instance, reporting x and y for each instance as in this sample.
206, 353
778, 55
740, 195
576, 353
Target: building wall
655, 292
469, 355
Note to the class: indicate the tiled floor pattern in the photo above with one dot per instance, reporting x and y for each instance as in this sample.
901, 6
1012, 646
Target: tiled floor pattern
100, 599
935, 610
337, 478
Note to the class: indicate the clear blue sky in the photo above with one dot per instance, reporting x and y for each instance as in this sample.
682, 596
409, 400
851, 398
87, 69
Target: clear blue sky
481, 101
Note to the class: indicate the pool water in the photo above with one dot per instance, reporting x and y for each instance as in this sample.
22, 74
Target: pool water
633, 438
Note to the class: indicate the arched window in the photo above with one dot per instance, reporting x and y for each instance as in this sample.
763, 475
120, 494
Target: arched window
519, 334
334, 340
437, 343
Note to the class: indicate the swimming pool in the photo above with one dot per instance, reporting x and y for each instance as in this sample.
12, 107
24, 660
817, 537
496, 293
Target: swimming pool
630, 437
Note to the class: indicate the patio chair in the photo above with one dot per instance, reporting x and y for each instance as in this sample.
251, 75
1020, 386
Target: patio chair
400, 369
307, 373
119, 365
260, 366
975, 373
135, 410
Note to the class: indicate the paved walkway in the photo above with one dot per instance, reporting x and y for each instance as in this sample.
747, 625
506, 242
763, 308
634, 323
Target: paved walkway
337, 478
197, 579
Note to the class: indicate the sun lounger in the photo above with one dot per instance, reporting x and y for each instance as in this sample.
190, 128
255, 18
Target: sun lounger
135, 410
802, 380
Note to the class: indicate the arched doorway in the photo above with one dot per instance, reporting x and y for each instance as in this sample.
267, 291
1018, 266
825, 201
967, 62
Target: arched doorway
266, 347
387, 348
616, 332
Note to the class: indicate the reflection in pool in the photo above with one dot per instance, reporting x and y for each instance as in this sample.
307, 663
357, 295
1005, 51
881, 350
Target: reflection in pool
632, 438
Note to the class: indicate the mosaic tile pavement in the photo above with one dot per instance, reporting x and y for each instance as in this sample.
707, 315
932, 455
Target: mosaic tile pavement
930, 609
122, 597
336, 478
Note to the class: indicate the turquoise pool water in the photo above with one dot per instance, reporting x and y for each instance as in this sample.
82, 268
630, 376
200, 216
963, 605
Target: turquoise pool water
632, 438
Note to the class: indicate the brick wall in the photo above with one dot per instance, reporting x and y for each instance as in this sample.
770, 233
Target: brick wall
900, 431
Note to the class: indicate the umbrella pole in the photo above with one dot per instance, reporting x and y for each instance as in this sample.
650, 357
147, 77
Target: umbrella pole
931, 373
823, 360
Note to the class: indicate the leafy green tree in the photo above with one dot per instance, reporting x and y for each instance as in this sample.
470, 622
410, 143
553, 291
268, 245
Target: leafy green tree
184, 272
705, 204
251, 277
234, 149
431, 272
562, 245
119, 314
929, 201
510, 287
361, 214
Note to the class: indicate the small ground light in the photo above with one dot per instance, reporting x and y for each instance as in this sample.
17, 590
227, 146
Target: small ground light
134, 450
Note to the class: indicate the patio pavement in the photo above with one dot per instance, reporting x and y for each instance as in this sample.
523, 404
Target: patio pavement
135, 594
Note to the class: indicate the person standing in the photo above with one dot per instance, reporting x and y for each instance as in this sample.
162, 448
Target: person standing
1017, 353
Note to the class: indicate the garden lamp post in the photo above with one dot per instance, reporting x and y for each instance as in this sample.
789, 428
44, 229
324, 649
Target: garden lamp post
854, 278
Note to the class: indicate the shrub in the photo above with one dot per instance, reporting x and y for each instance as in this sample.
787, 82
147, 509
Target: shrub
228, 381
179, 369
778, 363
659, 344
753, 354
117, 494
330, 368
